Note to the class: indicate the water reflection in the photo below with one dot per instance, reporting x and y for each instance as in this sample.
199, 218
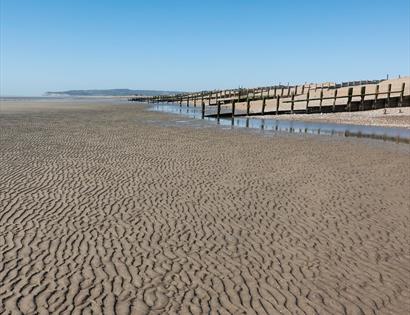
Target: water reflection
292, 126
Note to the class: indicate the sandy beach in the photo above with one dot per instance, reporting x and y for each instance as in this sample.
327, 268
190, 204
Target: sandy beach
112, 209
391, 117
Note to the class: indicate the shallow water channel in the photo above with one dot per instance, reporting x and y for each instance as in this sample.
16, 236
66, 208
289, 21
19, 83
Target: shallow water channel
401, 135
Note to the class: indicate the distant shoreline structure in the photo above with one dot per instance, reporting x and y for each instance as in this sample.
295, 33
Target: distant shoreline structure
307, 98
112, 92
366, 102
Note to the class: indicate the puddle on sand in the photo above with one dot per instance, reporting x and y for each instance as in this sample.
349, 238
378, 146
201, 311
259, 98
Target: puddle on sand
401, 135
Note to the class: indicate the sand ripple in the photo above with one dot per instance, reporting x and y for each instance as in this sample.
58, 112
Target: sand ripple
102, 212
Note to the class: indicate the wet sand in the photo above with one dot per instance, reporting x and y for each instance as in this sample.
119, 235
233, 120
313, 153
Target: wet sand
113, 209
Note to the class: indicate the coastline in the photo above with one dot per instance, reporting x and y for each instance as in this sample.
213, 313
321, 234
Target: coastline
270, 124
393, 117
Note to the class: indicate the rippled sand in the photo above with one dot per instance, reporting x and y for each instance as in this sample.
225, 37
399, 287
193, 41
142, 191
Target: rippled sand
105, 210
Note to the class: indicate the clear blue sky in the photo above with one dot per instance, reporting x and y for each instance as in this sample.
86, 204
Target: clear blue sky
192, 45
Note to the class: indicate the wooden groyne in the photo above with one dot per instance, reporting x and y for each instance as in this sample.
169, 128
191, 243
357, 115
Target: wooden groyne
301, 99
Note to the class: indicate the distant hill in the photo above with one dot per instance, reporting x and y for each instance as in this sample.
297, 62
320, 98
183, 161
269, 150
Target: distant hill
110, 92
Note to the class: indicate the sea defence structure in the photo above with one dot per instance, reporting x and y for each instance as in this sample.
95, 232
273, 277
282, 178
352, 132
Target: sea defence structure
291, 99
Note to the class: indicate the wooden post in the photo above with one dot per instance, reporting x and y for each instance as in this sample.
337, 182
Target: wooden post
288, 92
296, 90
180, 102
216, 97
281, 91
362, 95
292, 105
203, 110
334, 101
402, 94
248, 106
387, 104
263, 105
268, 91
218, 112
376, 96
349, 99
195, 101
307, 101
233, 109
262, 93
274, 91
321, 100
209, 99
303, 89
187, 101
277, 104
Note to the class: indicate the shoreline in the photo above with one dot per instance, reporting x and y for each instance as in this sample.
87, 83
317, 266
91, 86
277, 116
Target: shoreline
375, 118
271, 123
395, 117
